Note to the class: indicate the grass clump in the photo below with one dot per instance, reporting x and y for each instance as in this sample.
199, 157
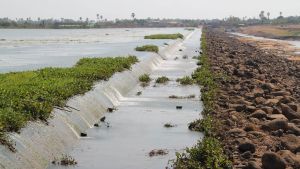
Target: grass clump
147, 48
65, 160
162, 80
182, 97
208, 153
32, 95
145, 78
186, 80
165, 36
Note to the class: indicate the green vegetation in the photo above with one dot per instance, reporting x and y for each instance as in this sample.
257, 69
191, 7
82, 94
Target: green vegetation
186, 80
165, 36
162, 80
147, 48
145, 78
32, 95
65, 160
182, 97
208, 153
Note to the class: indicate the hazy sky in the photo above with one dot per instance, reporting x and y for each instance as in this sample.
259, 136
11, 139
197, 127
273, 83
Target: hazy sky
110, 9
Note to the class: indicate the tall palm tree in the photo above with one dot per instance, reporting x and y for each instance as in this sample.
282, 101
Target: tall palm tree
98, 16
268, 14
133, 15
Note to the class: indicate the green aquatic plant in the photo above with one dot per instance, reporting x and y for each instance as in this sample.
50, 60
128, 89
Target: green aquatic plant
145, 78
32, 95
165, 36
147, 48
186, 80
162, 80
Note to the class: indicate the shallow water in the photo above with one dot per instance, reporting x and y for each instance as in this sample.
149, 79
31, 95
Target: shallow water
137, 127
27, 49
294, 43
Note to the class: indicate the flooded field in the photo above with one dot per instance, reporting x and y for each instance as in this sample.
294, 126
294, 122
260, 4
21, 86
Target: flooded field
27, 49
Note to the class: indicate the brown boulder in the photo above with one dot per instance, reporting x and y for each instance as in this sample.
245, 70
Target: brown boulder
289, 113
259, 114
252, 165
275, 125
290, 158
271, 160
260, 100
247, 146
291, 142
294, 129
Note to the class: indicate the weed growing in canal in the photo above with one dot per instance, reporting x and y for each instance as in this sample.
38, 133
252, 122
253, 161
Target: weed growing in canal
207, 154
148, 48
186, 80
65, 160
32, 95
165, 36
182, 97
169, 125
145, 78
162, 80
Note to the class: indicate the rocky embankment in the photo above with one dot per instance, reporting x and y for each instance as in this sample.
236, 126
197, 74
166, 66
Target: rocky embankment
258, 104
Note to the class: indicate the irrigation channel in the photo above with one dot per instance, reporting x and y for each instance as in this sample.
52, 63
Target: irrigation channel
137, 127
130, 132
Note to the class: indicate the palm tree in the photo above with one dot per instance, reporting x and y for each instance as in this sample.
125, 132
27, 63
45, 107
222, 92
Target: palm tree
101, 17
268, 14
98, 16
133, 15
80, 18
280, 14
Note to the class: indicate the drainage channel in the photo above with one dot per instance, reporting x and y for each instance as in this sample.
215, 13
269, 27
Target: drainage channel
138, 125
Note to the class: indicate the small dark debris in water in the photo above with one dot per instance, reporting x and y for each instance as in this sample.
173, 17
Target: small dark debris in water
111, 109
179, 107
96, 125
169, 125
65, 160
139, 93
182, 97
180, 50
127, 30
201, 52
83, 134
176, 58
185, 57
107, 125
2, 39
107, 34
158, 153
103, 119
166, 44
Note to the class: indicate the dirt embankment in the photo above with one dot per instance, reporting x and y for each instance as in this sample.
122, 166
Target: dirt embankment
287, 32
258, 104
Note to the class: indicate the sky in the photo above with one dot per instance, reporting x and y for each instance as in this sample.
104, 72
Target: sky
121, 9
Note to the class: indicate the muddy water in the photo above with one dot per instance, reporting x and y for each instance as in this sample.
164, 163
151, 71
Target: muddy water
137, 127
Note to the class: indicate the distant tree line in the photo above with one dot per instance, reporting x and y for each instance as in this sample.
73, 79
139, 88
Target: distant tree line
263, 18
101, 22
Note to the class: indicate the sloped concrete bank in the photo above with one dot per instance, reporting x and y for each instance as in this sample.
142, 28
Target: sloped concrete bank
38, 143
